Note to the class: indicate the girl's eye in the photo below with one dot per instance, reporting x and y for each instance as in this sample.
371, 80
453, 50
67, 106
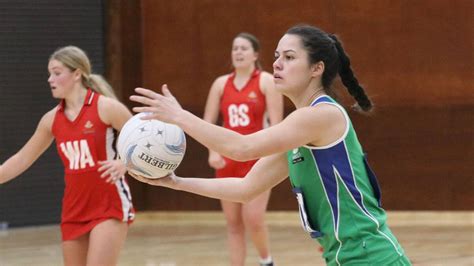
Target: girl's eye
288, 57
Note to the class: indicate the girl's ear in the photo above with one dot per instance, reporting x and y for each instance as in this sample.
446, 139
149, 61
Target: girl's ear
317, 69
77, 75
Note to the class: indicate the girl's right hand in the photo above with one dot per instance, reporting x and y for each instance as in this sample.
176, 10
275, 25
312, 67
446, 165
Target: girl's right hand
163, 107
215, 160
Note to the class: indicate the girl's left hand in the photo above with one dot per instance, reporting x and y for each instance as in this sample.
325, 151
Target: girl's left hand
112, 170
167, 181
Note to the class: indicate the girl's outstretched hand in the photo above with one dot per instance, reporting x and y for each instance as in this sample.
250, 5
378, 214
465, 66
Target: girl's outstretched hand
166, 181
161, 107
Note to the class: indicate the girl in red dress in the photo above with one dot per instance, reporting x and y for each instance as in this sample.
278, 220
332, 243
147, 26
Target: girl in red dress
96, 207
246, 100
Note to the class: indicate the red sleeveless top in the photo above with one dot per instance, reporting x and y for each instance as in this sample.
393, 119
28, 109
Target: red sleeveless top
81, 144
243, 110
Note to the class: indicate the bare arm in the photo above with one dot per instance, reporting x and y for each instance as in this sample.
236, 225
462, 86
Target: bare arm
29, 153
211, 114
273, 99
114, 113
265, 174
318, 126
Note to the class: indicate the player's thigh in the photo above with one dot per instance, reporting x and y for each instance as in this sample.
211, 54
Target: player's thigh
75, 251
106, 241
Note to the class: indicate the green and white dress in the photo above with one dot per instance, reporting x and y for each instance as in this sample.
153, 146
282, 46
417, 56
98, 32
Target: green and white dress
339, 201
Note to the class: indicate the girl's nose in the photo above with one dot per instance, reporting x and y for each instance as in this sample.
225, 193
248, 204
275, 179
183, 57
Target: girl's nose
276, 64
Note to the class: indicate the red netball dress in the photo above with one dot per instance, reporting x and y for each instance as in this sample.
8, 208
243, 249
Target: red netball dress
243, 111
81, 144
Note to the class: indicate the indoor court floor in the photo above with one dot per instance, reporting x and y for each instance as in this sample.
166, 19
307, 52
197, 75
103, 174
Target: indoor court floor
199, 238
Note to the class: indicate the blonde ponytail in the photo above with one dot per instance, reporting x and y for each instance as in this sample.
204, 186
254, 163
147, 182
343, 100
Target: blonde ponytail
99, 84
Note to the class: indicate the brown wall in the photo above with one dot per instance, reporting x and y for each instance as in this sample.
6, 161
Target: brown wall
415, 60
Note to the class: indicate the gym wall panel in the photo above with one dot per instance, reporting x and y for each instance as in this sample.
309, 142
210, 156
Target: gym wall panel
413, 58
29, 32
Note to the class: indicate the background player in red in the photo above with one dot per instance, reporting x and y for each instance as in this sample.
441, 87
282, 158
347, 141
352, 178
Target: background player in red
246, 100
97, 205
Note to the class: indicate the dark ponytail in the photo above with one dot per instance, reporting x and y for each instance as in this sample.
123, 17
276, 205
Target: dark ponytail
327, 48
348, 78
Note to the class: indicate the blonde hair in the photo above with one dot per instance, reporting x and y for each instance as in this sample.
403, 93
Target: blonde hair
75, 58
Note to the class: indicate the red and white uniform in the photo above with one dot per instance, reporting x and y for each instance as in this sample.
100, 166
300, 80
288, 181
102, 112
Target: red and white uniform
81, 144
243, 111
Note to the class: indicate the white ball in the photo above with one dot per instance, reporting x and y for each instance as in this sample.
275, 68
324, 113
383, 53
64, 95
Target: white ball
151, 148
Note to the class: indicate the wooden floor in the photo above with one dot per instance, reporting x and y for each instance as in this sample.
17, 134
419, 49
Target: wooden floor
190, 238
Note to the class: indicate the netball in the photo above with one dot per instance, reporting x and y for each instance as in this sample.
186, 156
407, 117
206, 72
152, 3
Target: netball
151, 148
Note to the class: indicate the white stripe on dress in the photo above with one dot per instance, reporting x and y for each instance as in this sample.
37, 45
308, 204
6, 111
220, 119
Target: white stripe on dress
122, 188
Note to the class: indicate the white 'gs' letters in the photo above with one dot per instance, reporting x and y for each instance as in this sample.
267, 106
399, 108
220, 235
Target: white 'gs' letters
238, 115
